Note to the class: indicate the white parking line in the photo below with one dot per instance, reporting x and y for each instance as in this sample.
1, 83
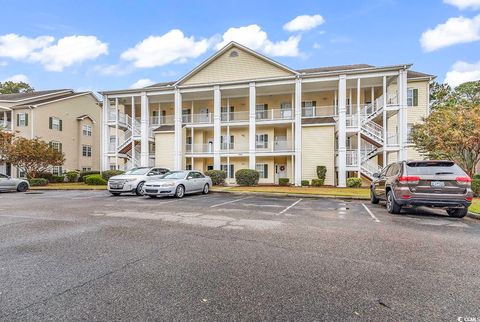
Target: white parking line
227, 202
292, 205
370, 213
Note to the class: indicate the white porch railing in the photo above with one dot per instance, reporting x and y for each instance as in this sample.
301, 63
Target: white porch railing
392, 139
162, 120
199, 148
7, 125
352, 120
230, 117
274, 114
202, 118
318, 111
352, 157
274, 146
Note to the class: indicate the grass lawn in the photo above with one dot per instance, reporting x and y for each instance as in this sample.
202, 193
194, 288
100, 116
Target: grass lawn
475, 207
325, 191
69, 186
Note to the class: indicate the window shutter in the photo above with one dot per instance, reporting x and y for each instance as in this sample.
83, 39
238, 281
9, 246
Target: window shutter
314, 103
303, 103
50, 122
60, 148
415, 97
26, 119
18, 119
266, 106
60, 122
265, 170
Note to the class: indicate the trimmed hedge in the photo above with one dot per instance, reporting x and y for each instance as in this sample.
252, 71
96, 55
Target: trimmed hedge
476, 187
283, 181
37, 182
58, 179
110, 173
247, 177
321, 174
45, 175
476, 176
83, 174
354, 182
72, 176
218, 176
317, 183
305, 183
95, 180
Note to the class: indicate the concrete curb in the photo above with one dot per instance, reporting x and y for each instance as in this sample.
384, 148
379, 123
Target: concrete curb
473, 215
296, 195
66, 189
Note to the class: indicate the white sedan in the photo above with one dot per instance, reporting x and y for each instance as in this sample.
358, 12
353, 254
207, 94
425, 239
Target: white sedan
178, 184
9, 183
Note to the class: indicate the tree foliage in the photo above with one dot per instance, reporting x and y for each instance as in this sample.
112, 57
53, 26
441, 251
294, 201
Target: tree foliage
10, 87
444, 96
453, 133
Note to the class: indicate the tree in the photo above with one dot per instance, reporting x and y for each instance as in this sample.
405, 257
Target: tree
451, 133
10, 87
443, 96
32, 156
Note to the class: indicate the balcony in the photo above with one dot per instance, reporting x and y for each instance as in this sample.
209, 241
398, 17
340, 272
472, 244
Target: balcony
234, 148
203, 118
201, 148
232, 117
6, 125
274, 115
162, 120
318, 111
274, 146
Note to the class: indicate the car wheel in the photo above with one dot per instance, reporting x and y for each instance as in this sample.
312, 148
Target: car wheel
22, 187
116, 194
392, 206
457, 212
373, 198
180, 191
139, 190
206, 189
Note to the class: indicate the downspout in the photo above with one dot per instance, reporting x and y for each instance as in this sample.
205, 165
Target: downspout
31, 120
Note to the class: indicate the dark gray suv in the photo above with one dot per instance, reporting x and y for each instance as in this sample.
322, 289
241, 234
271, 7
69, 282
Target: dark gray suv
439, 183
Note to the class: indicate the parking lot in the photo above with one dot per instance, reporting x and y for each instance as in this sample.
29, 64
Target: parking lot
78, 255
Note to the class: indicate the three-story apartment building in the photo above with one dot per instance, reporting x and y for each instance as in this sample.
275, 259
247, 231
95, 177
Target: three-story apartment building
240, 109
70, 121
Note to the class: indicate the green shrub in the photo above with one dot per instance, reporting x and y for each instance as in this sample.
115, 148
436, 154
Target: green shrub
476, 176
45, 175
354, 182
95, 180
476, 187
83, 174
110, 173
321, 174
218, 176
37, 182
72, 176
283, 181
58, 179
317, 182
247, 177
305, 183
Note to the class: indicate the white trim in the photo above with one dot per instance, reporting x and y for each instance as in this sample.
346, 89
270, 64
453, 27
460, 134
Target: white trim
37, 97
66, 98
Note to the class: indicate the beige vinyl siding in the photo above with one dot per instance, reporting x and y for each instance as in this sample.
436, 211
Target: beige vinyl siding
164, 150
243, 67
318, 148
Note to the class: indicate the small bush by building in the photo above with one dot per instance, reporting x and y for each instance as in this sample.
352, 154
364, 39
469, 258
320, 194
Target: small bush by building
321, 174
110, 173
95, 180
58, 179
38, 182
354, 182
305, 183
283, 181
72, 176
247, 177
83, 174
45, 175
476, 187
317, 183
218, 176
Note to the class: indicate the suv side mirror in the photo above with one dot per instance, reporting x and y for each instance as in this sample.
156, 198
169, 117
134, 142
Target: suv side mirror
376, 175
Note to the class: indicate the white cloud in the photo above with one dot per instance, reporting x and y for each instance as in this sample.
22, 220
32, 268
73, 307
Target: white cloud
113, 70
68, 51
17, 78
161, 50
20, 47
304, 23
464, 4
142, 83
462, 72
454, 31
255, 38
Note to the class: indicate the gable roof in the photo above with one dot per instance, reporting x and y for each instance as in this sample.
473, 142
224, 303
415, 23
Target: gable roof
26, 96
334, 68
51, 99
85, 116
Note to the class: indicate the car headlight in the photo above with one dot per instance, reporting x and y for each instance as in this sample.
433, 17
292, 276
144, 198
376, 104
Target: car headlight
168, 184
131, 179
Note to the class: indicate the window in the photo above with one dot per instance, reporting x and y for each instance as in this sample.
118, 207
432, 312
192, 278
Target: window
209, 167
57, 171
21, 173
233, 53
54, 123
308, 108
188, 167
87, 130
261, 111
85, 169
86, 150
229, 169
22, 119
225, 143
262, 169
56, 146
412, 97
113, 167
261, 141
227, 113
409, 132
187, 115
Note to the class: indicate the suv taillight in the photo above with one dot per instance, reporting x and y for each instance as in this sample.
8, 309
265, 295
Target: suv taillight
466, 179
409, 179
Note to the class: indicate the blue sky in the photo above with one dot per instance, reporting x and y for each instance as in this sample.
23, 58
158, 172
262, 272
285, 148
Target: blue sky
100, 45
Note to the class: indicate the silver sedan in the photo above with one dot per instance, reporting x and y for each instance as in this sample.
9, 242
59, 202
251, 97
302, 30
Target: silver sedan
9, 183
178, 183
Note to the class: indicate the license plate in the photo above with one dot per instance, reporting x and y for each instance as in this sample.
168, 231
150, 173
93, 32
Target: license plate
115, 186
437, 184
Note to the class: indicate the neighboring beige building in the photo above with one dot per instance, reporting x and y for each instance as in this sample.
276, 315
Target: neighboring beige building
70, 121
240, 109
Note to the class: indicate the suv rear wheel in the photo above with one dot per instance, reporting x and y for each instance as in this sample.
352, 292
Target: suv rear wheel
392, 206
457, 212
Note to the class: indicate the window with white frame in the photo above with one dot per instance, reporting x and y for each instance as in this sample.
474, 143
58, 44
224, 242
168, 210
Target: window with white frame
261, 141
57, 171
54, 123
87, 130
56, 145
85, 169
86, 150
226, 143
229, 170
21, 173
262, 169
412, 97
188, 167
22, 119
261, 111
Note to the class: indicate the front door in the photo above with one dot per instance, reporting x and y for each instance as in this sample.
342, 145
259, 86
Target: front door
280, 172
203, 117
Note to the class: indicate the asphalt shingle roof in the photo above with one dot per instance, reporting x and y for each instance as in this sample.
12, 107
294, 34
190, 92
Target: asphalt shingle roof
22, 96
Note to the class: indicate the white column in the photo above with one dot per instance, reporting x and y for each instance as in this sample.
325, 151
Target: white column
133, 130
342, 131
385, 121
116, 133
217, 130
298, 132
105, 134
144, 130
178, 130
404, 107
251, 125
359, 135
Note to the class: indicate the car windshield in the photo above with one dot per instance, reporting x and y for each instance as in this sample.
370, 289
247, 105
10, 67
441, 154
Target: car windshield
434, 168
175, 175
138, 171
